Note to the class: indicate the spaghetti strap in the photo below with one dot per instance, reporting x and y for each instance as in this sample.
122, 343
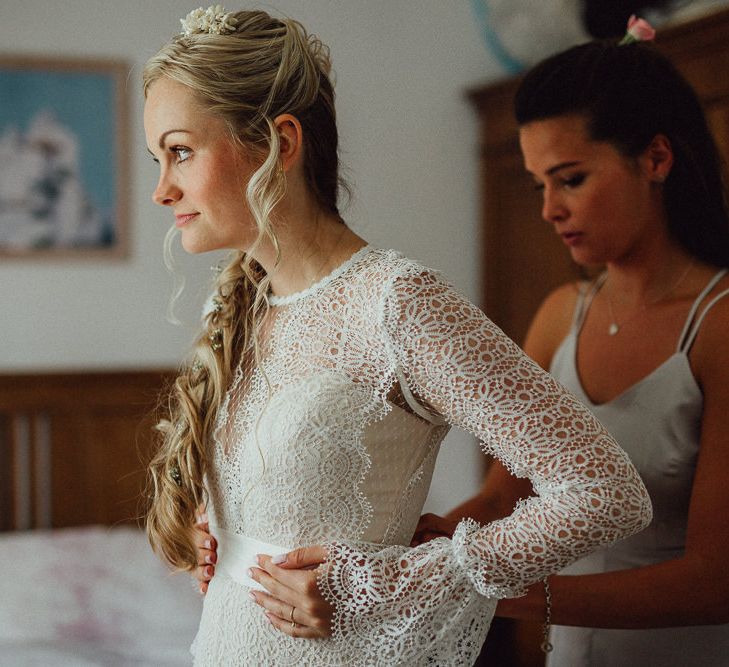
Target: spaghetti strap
695, 330
584, 300
686, 339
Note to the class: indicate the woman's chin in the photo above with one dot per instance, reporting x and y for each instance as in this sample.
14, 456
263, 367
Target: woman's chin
193, 249
583, 257
195, 246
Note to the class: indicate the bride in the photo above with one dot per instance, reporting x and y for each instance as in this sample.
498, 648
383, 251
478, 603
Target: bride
314, 402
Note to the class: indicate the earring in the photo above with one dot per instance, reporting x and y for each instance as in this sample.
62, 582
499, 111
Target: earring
660, 178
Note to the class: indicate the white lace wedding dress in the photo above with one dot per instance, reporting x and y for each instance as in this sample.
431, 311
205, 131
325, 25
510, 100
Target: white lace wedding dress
329, 445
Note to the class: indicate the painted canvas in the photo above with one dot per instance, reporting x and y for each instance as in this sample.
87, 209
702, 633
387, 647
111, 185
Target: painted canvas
63, 181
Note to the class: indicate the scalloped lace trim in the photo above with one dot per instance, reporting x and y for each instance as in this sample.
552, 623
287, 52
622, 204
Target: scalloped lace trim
274, 300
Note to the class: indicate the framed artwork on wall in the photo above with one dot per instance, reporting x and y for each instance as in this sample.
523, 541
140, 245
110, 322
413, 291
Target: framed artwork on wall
63, 158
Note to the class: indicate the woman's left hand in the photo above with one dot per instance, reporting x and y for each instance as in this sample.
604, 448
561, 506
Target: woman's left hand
294, 604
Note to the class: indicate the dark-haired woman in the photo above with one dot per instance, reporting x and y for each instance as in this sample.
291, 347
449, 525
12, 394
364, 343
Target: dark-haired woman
617, 141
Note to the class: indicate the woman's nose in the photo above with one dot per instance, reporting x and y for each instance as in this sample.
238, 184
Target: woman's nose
166, 193
553, 208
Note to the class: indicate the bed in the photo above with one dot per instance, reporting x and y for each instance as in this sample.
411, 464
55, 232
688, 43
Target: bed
81, 586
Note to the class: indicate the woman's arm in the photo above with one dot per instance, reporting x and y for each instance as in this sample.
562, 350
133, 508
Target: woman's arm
461, 364
691, 590
500, 491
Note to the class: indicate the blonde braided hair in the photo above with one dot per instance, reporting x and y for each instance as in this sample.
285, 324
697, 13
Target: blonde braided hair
263, 68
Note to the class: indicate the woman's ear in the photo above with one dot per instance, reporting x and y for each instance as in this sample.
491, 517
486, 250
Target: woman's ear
291, 138
657, 159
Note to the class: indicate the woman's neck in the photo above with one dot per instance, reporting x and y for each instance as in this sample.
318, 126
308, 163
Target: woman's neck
311, 246
647, 276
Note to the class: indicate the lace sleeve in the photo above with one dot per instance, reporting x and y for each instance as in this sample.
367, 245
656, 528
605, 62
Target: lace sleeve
588, 492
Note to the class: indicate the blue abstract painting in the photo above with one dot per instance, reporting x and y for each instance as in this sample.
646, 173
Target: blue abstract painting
59, 158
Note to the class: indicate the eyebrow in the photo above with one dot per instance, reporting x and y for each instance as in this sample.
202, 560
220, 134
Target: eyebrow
164, 136
560, 166
557, 167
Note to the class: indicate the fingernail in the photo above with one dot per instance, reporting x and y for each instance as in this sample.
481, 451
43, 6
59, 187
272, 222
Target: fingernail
252, 597
202, 518
209, 559
279, 559
207, 544
250, 573
259, 559
208, 571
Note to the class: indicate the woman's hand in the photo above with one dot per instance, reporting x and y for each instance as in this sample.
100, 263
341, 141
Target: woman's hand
294, 604
207, 554
431, 526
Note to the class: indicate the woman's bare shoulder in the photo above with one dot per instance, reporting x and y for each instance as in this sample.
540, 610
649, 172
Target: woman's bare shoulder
552, 322
710, 353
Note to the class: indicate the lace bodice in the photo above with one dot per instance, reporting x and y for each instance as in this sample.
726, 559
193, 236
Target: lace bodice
325, 444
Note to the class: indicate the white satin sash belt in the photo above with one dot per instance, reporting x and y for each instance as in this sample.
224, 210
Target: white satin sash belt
237, 553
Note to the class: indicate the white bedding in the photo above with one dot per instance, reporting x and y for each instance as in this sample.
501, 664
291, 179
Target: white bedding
92, 596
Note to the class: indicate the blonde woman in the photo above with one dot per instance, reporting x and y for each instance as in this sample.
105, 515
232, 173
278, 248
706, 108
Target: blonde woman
314, 403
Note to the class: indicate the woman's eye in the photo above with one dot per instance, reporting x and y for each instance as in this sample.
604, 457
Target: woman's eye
573, 181
181, 153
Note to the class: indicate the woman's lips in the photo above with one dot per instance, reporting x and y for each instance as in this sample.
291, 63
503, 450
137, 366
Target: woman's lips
571, 238
181, 220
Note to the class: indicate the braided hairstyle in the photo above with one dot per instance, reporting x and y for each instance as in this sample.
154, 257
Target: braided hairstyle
259, 68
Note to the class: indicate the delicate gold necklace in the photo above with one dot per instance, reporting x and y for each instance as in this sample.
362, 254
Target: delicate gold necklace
615, 326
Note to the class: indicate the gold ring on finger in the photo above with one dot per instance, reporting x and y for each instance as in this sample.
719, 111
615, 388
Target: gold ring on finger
291, 615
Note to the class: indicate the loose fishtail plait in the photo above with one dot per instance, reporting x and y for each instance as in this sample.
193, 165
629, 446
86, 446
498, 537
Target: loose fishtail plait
264, 68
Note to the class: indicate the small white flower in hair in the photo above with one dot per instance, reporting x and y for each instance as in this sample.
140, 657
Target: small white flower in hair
212, 21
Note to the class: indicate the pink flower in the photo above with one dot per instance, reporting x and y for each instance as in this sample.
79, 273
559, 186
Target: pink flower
639, 30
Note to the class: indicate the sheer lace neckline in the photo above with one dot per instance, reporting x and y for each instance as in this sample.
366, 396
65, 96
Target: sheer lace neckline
274, 300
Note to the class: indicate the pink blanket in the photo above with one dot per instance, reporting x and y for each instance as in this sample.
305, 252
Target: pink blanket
92, 596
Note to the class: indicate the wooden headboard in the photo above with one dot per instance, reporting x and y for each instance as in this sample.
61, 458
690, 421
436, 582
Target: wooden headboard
73, 446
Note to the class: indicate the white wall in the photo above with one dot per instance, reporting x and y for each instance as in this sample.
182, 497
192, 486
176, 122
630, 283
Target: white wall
409, 145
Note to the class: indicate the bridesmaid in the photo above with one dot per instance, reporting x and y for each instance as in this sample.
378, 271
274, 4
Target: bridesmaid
617, 141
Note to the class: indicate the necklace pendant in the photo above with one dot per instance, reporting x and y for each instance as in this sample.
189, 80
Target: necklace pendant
613, 328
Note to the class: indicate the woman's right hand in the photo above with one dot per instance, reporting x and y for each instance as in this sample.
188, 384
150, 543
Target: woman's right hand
207, 554
431, 526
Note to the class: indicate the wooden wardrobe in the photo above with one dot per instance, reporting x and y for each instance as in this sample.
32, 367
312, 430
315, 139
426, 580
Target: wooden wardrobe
523, 259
